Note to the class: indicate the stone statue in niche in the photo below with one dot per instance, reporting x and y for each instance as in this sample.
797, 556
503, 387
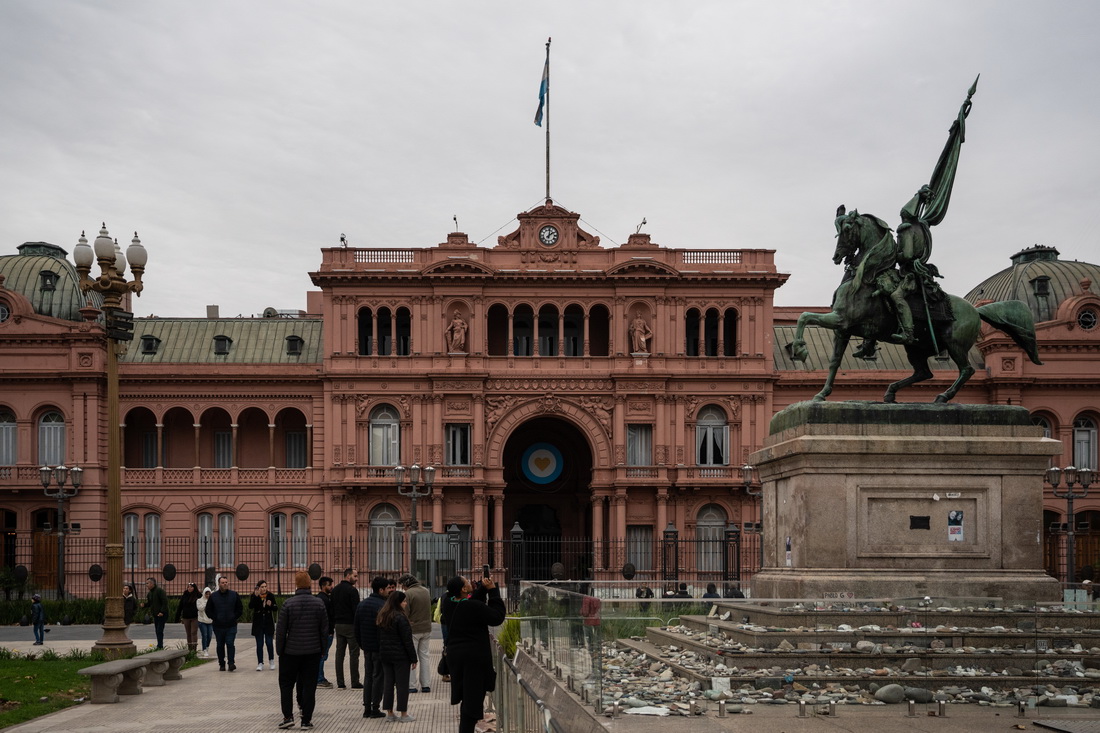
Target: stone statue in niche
456, 334
640, 334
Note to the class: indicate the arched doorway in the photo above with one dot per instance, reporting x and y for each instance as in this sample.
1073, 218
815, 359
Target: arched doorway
547, 466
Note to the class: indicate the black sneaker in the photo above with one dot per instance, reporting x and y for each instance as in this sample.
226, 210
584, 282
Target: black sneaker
341, 685
221, 667
356, 686
413, 689
306, 725
374, 714
232, 667
287, 723
425, 689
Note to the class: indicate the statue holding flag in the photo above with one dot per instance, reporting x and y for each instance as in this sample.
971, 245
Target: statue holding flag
889, 293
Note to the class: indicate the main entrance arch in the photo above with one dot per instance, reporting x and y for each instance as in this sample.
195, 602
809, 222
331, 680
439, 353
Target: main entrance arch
547, 471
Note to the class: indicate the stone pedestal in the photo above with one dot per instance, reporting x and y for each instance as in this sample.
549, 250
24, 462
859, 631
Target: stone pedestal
869, 500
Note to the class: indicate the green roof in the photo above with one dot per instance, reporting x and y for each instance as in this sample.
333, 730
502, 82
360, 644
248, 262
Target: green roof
819, 342
253, 340
23, 274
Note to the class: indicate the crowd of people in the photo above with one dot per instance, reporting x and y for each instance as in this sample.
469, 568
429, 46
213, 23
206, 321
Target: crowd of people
389, 628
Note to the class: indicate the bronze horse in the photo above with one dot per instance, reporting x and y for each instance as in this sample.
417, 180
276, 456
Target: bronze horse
859, 309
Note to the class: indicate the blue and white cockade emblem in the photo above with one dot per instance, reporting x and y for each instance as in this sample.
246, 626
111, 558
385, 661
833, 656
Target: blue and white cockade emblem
542, 463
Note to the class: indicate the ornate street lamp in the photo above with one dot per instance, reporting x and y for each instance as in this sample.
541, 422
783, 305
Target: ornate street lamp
748, 478
418, 478
1072, 477
60, 476
113, 286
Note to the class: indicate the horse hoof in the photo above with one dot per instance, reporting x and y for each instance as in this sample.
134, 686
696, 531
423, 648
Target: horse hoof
889, 399
819, 398
941, 399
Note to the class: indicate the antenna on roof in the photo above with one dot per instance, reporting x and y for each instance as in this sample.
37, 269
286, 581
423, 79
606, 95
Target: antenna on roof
639, 229
455, 217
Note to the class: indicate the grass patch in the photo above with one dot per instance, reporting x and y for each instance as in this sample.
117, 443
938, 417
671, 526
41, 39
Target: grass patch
35, 686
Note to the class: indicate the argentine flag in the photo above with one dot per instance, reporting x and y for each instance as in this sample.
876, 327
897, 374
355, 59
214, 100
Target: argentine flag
544, 87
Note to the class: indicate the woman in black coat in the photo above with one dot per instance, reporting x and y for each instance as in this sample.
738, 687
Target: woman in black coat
398, 655
129, 604
468, 615
188, 613
263, 608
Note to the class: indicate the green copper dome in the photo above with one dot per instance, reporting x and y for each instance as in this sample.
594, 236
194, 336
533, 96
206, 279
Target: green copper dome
50, 282
1039, 278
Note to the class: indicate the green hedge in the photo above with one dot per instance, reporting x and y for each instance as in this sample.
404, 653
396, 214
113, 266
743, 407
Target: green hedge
90, 611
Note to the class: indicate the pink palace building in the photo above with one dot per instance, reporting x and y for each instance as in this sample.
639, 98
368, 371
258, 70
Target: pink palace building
597, 401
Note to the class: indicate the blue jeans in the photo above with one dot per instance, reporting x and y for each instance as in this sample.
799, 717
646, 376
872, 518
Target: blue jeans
324, 658
226, 637
262, 637
205, 631
40, 631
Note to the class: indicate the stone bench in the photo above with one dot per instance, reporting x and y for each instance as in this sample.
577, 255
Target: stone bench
163, 665
119, 677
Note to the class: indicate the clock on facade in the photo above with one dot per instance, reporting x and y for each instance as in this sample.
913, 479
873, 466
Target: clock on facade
548, 235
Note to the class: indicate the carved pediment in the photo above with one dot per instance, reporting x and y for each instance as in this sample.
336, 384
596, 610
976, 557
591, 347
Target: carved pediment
642, 268
460, 267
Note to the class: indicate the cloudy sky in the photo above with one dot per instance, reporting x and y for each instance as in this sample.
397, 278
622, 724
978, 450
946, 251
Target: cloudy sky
238, 138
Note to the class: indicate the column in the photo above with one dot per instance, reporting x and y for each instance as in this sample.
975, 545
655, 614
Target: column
233, 448
511, 349
271, 445
597, 531
721, 332
373, 332
160, 446
309, 445
662, 512
198, 429
478, 556
561, 333
437, 512
618, 534
535, 334
584, 345
498, 517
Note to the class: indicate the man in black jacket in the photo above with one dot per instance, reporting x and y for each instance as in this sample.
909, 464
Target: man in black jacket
345, 599
325, 594
300, 638
224, 609
366, 634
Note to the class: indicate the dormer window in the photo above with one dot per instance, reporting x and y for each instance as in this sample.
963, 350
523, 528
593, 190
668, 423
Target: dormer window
48, 280
1041, 286
222, 344
149, 344
294, 345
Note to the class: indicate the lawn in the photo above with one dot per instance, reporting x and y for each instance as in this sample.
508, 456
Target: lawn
30, 688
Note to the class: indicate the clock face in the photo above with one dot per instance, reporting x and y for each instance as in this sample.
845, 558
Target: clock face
548, 235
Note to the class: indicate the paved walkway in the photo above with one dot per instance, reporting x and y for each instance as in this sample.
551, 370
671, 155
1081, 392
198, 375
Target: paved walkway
209, 701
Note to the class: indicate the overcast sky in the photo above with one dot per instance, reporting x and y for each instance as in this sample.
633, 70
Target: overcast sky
238, 138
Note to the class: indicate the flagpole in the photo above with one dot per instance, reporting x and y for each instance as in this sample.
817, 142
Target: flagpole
547, 119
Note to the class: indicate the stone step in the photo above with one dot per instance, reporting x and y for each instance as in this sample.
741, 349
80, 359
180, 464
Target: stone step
951, 636
927, 660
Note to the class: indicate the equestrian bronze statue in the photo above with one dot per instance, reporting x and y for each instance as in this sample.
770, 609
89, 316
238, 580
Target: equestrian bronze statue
889, 293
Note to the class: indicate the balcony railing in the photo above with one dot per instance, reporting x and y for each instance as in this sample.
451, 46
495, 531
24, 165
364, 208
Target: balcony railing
227, 476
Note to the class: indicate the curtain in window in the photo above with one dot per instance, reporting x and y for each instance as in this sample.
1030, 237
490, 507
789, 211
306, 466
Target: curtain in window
1084, 443
299, 533
7, 439
639, 445
130, 540
385, 431
206, 540
639, 546
152, 540
226, 556
296, 449
223, 449
51, 439
384, 539
709, 529
277, 543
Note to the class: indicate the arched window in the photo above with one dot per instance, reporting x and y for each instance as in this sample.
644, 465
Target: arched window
691, 333
130, 540
496, 323
366, 327
384, 540
385, 437
288, 542
1084, 443
226, 537
51, 439
385, 332
152, 540
729, 333
712, 437
523, 330
710, 524
216, 540
710, 333
7, 438
1041, 422
403, 332
573, 331
548, 331
205, 537
599, 331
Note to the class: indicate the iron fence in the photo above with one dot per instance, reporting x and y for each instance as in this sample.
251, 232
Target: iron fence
1086, 546
175, 561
